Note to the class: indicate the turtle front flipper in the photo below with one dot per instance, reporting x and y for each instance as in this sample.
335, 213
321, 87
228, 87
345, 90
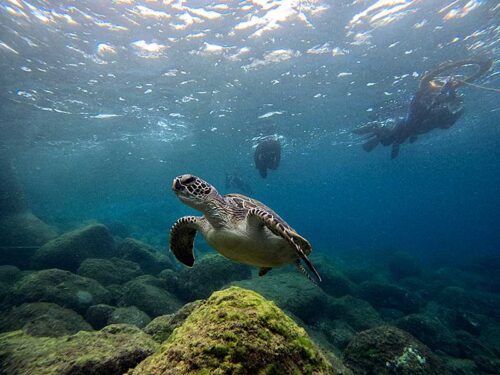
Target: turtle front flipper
182, 236
268, 220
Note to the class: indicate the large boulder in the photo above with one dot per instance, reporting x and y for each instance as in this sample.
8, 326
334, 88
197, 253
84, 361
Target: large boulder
237, 331
150, 260
98, 315
385, 295
334, 282
431, 331
147, 293
61, 287
359, 314
456, 298
162, 326
43, 319
109, 271
207, 275
111, 351
69, 250
292, 292
21, 234
129, 315
388, 350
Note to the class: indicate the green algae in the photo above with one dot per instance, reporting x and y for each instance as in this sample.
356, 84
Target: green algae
237, 331
113, 350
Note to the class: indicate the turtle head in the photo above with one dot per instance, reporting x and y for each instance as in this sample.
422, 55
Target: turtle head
194, 191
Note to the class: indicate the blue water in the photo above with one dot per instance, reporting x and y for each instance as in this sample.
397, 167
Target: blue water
103, 105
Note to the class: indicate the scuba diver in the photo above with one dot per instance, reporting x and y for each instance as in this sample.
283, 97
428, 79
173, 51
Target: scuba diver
267, 156
434, 106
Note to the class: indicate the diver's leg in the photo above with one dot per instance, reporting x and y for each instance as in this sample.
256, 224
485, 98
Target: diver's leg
371, 144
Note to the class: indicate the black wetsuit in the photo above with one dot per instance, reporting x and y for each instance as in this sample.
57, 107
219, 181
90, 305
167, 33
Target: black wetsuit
267, 156
429, 109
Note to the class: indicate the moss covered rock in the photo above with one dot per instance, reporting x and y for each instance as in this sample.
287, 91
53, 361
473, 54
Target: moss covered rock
207, 275
109, 271
9, 274
292, 292
334, 282
237, 331
388, 350
43, 319
147, 293
162, 326
69, 250
150, 260
61, 287
98, 315
24, 229
113, 350
359, 314
129, 315
385, 295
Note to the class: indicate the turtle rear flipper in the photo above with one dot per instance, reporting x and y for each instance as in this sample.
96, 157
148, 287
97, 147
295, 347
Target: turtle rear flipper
265, 218
182, 236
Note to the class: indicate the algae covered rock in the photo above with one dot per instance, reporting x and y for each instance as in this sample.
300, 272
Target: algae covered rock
334, 282
357, 313
209, 274
111, 351
162, 326
237, 331
61, 287
98, 315
129, 315
385, 295
388, 350
69, 250
291, 292
9, 274
147, 294
109, 271
43, 319
146, 256
24, 229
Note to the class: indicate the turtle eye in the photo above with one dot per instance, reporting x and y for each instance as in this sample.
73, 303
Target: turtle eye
189, 180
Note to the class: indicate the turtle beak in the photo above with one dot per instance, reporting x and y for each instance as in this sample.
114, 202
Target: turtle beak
177, 186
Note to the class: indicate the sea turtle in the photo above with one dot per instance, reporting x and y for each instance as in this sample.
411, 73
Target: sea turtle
240, 228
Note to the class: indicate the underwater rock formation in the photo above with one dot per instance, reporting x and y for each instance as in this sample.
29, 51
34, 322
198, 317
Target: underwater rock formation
147, 293
111, 351
69, 250
43, 319
98, 315
162, 326
334, 282
207, 275
237, 331
61, 287
22, 229
359, 314
387, 350
146, 256
431, 331
109, 271
129, 315
391, 296
291, 292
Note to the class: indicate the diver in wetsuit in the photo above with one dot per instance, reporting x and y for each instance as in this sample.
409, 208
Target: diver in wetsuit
432, 107
267, 156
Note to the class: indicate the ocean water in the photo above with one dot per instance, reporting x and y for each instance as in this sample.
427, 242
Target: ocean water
104, 102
